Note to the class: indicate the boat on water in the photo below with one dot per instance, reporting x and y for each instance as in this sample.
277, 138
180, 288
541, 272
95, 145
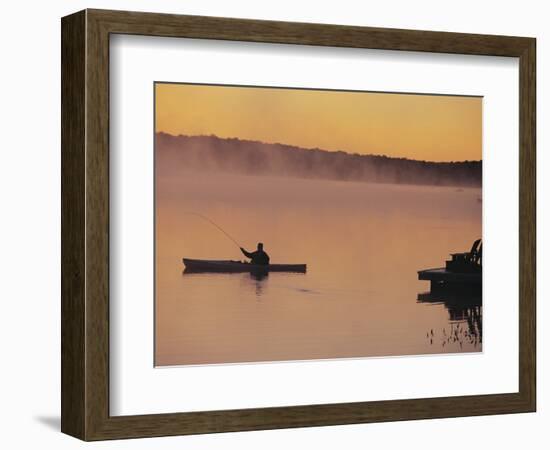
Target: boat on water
228, 266
462, 271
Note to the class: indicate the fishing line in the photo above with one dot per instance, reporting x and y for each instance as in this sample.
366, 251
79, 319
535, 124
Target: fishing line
215, 224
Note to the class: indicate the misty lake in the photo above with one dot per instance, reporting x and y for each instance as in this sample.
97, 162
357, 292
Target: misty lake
363, 244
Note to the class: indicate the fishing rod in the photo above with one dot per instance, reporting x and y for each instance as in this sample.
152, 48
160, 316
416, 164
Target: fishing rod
215, 224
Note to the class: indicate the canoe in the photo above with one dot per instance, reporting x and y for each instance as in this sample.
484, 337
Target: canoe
205, 265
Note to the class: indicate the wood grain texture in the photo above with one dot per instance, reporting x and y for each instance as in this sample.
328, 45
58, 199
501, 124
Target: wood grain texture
97, 226
152, 24
73, 226
85, 224
527, 224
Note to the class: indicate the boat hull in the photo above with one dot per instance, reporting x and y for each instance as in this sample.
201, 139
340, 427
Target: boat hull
442, 275
224, 266
442, 280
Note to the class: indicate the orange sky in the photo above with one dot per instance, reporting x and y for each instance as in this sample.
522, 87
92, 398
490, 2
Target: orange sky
425, 127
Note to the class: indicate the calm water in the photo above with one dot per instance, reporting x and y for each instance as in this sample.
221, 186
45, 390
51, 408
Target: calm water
363, 244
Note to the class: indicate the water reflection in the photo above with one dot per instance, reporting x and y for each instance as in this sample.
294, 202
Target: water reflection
363, 245
257, 279
465, 315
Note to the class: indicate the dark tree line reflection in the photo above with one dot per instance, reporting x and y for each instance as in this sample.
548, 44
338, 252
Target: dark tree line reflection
465, 318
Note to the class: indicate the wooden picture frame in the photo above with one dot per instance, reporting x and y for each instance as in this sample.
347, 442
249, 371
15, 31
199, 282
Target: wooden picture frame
85, 224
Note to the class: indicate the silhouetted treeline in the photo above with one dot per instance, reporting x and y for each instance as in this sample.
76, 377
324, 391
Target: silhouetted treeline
179, 153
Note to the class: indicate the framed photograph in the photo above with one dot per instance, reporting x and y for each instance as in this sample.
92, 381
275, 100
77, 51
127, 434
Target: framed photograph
270, 224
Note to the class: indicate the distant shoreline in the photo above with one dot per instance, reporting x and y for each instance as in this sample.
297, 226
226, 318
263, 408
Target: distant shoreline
233, 155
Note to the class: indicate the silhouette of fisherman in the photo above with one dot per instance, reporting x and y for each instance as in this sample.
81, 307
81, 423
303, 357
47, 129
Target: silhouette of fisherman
258, 257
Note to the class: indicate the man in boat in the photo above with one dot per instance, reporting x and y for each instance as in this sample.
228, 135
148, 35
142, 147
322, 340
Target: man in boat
258, 257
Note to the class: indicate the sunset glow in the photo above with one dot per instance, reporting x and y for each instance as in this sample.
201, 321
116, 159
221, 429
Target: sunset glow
422, 127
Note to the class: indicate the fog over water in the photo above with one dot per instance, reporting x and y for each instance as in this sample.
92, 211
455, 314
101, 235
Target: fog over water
363, 244
175, 154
